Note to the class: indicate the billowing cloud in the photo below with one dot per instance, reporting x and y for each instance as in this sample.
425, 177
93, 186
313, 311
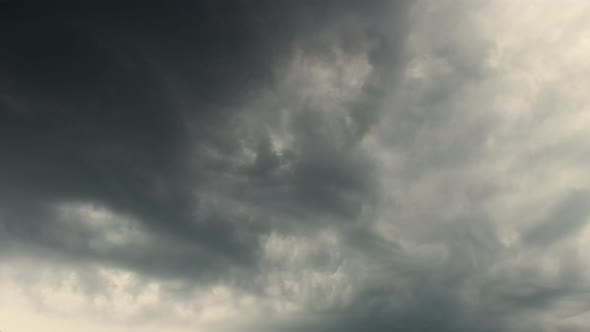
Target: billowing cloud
325, 166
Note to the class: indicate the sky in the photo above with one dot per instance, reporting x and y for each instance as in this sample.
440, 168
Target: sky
294, 166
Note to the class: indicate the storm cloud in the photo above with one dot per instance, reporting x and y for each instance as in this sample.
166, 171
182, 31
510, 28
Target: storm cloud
294, 166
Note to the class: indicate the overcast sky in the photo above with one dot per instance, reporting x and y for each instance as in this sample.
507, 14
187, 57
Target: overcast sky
294, 166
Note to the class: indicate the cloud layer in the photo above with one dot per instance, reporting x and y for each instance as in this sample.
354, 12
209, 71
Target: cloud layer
325, 166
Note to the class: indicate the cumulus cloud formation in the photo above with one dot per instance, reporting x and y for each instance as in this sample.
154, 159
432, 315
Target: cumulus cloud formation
305, 166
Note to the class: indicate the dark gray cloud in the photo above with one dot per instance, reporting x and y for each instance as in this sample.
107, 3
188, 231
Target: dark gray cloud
114, 106
130, 108
292, 166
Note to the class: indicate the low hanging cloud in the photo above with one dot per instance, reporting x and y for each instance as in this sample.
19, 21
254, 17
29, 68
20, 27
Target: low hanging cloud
325, 166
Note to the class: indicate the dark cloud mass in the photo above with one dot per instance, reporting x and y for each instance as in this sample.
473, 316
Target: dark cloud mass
294, 166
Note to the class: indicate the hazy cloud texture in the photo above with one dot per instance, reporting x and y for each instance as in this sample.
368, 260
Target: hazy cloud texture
295, 166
